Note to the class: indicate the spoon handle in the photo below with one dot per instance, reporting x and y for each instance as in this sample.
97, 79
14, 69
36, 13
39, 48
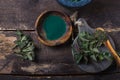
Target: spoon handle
113, 52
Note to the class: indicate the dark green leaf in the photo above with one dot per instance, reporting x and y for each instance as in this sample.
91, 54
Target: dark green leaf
93, 57
19, 33
79, 59
89, 46
101, 57
24, 38
29, 56
95, 50
25, 45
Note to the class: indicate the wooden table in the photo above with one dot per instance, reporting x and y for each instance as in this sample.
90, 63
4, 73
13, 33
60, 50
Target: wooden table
54, 62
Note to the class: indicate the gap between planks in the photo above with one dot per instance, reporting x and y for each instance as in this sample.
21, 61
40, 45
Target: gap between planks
45, 75
16, 30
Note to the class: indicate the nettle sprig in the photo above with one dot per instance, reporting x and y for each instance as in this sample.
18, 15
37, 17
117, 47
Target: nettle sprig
89, 47
24, 46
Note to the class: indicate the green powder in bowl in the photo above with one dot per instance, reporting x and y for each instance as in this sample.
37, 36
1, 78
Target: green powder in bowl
54, 27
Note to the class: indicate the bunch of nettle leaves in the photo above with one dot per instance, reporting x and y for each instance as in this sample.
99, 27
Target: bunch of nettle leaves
89, 47
24, 46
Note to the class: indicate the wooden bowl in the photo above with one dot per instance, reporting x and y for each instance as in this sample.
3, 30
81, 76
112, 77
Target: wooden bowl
41, 33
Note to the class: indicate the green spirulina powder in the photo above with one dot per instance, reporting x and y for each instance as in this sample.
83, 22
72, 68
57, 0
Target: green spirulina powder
54, 27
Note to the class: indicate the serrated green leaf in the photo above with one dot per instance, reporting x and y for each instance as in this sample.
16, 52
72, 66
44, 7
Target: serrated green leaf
26, 46
23, 38
19, 33
101, 57
89, 45
86, 51
28, 49
95, 50
83, 39
93, 57
29, 56
79, 59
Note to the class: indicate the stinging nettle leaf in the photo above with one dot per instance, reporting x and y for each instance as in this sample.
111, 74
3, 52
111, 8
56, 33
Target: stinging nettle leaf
93, 57
89, 45
25, 45
95, 50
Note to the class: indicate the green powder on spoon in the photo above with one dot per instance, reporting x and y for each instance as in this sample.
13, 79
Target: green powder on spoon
54, 27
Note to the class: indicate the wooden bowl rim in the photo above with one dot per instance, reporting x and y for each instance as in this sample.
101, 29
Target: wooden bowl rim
59, 41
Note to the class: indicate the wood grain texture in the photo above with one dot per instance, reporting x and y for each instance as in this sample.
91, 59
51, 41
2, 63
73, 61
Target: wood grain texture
48, 60
22, 14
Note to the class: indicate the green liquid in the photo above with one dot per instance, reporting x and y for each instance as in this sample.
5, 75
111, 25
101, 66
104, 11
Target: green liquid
54, 27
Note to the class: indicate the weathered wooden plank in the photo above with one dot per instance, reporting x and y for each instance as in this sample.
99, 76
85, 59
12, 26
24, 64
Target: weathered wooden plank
22, 14
77, 77
49, 60
6, 46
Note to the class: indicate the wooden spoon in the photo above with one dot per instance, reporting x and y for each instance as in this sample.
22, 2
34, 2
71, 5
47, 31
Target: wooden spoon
111, 49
